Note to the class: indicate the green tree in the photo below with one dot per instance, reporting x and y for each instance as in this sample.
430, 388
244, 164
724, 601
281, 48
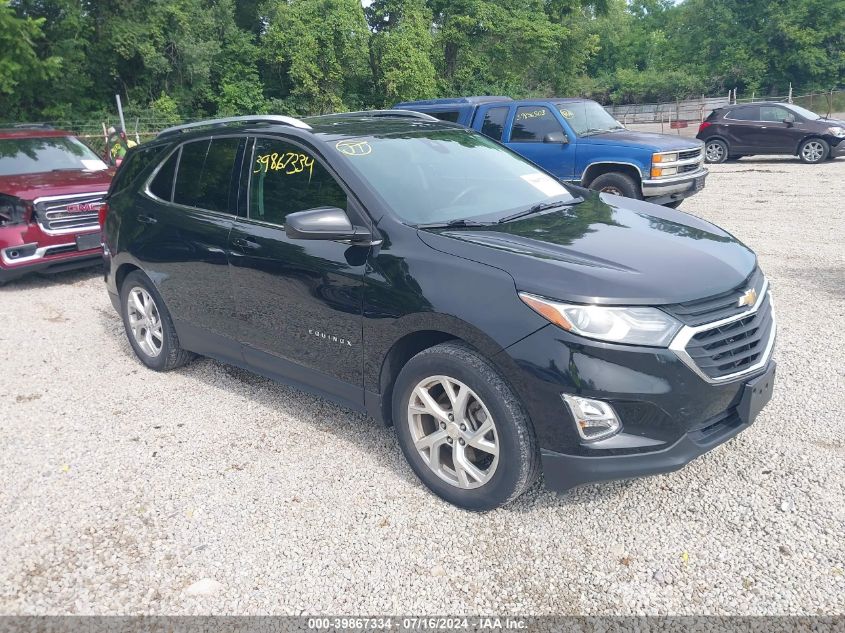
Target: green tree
401, 50
317, 54
21, 66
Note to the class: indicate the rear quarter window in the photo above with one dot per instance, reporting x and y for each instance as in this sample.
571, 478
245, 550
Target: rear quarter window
137, 161
447, 115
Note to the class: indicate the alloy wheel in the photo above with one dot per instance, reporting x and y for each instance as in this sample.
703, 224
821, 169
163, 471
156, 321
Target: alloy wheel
812, 151
453, 431
714, 152
145, 321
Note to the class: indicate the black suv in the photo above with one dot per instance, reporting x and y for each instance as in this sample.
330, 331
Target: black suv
735, 131
416, 270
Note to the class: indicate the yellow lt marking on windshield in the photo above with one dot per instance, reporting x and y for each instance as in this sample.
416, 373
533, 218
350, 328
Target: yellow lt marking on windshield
354, 148
289, 163
534, 114
567, 114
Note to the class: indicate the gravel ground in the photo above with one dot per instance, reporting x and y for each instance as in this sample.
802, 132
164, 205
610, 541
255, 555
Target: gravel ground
211, 490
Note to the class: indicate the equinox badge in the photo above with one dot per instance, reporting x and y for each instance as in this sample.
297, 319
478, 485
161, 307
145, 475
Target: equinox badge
749, 298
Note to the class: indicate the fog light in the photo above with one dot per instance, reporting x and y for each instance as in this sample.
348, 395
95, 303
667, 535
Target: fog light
594, 419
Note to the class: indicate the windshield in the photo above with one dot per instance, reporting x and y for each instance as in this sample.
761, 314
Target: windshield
440, 176
804, 112
37, 155
588, 117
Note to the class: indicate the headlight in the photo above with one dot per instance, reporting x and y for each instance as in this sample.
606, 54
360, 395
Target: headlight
664, 158
838, 132
632, 326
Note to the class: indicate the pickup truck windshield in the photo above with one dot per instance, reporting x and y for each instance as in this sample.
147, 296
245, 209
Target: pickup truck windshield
37, 155
441, 176
588, 117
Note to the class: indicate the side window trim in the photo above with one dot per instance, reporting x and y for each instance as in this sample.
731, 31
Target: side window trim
318, 156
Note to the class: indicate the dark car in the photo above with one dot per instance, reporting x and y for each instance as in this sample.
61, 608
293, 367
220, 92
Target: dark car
51, 189
735, 131
418, 271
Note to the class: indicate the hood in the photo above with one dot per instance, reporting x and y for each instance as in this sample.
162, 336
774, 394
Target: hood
55, 183
607, 250
648, 140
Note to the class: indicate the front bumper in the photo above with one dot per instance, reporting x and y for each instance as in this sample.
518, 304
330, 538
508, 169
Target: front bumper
675, 187
564, 472
26, 248
670, 413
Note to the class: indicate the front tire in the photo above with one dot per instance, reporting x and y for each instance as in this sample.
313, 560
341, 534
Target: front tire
462, 429
813, 151
617, 184
716, 151
148, 324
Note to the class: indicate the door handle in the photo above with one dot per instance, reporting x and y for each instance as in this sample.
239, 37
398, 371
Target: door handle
146, 219
242, 243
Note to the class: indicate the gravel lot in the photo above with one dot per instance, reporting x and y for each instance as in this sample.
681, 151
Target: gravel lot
211, 490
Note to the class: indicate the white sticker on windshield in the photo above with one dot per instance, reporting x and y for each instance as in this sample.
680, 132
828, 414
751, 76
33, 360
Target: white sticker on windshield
93, 165
544, 183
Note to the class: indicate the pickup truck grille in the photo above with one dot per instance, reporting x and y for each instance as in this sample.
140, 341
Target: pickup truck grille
717, 307
691, 153
69, 214
734, 347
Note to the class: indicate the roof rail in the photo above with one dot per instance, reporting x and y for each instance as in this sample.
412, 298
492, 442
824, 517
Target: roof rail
252, 118
402, 114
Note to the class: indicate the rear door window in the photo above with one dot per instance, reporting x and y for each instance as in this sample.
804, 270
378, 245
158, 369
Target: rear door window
494, 123
532, 123
206, 169
747, 113
287, 178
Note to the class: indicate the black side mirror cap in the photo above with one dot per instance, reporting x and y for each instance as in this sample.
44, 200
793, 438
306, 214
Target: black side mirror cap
558, 138
324, 223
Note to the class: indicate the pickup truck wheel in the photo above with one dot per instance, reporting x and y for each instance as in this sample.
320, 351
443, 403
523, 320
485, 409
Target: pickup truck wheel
617, 184
148, 325
716, 151
813, 150
462, 429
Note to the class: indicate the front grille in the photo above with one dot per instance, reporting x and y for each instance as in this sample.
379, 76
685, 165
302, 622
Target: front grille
717, 307
735, 346
690, 153
685, 169
68, 215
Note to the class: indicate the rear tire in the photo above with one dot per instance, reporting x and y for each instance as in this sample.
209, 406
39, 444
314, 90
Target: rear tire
462, 429
618, 184
813, 151
715, 151
149, 326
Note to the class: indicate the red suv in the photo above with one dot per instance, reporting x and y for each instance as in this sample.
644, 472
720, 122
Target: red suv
51, 188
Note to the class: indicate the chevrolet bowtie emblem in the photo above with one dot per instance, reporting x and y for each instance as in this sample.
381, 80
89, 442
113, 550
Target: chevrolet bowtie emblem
749, 298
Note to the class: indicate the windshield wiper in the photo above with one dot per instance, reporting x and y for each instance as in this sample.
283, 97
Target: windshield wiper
451, 224
537, 208
68, 169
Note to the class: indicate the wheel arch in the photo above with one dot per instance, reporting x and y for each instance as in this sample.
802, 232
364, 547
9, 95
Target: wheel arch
594, 170
122, 271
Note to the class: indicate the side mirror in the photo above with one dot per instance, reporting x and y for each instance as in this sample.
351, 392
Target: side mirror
789, 119
558, 138
324, 223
